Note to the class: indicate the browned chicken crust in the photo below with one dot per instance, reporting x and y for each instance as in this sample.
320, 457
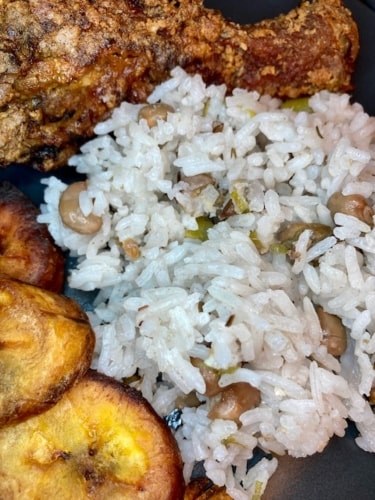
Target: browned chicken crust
65, 65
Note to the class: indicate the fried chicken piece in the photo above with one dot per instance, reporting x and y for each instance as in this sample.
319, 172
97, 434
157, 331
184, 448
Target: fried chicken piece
66, 65
27, 251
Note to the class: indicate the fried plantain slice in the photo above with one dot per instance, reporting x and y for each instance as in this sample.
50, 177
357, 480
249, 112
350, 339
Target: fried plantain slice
27, 251
203, 489
46, 344
102, 440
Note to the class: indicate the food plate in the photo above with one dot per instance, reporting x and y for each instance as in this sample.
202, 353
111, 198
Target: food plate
342, 470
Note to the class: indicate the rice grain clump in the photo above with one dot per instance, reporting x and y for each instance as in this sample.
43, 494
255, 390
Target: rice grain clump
215, 252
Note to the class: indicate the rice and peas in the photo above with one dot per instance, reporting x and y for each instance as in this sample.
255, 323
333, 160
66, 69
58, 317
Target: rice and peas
190, 267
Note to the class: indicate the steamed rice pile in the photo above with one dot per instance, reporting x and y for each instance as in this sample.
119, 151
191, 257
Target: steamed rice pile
232, 300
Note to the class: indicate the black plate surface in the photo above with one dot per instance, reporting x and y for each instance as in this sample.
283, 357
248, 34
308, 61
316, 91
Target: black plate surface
342, 471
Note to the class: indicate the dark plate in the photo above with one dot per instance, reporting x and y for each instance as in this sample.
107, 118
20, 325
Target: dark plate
342, 471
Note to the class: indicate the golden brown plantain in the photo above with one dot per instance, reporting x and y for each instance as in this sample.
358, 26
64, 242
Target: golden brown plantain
27, 251
46, 344
102, 440
203, 489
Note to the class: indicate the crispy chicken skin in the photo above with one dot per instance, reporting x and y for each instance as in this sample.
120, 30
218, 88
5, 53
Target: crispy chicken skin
65, 65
